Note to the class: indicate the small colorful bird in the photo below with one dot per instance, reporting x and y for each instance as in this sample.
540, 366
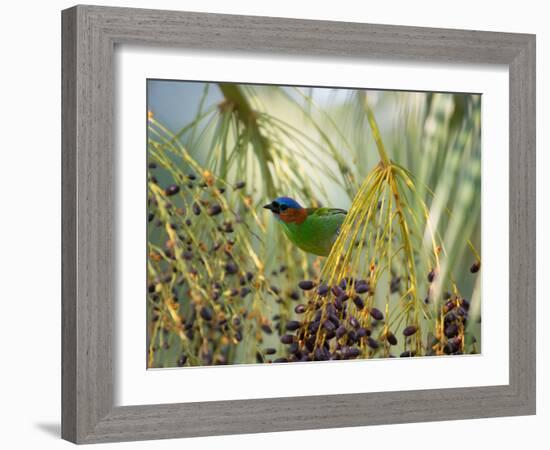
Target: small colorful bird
314, 230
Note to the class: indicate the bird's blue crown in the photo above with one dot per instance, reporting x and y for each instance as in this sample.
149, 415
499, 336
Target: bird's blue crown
288, 202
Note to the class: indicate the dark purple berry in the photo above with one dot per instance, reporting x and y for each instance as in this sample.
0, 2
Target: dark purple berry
352, 352
292, 325
450, 347
431, 276
293, 348
206, 313
214, 210
280, 360
451, 330
287, 339
340, 331
294, 295
363, 332
306, 285
231, 268
410, 330
334, 319
394, 285
328, 325
173, 189
344, 297
337, 291
475, 267
359, 303
390, 337
320, 355
322, 290
376, 314
313, 327
372, 343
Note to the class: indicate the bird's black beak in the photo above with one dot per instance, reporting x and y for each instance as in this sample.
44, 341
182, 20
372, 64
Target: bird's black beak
272, 207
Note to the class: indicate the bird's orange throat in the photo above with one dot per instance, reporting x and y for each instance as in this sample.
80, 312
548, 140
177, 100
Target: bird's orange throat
293, 215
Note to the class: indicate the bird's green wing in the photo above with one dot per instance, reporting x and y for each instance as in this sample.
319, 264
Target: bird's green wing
325, 212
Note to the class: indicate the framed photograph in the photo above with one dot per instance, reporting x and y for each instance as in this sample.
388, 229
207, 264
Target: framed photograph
277, 224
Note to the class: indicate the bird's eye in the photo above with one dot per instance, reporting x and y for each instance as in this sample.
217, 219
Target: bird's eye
283, 207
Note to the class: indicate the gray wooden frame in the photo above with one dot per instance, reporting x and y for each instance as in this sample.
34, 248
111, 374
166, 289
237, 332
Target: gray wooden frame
89, 37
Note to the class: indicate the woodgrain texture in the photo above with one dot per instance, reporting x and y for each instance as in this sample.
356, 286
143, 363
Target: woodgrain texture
89, 37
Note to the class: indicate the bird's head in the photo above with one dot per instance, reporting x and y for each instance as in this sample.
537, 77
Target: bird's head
287, 209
